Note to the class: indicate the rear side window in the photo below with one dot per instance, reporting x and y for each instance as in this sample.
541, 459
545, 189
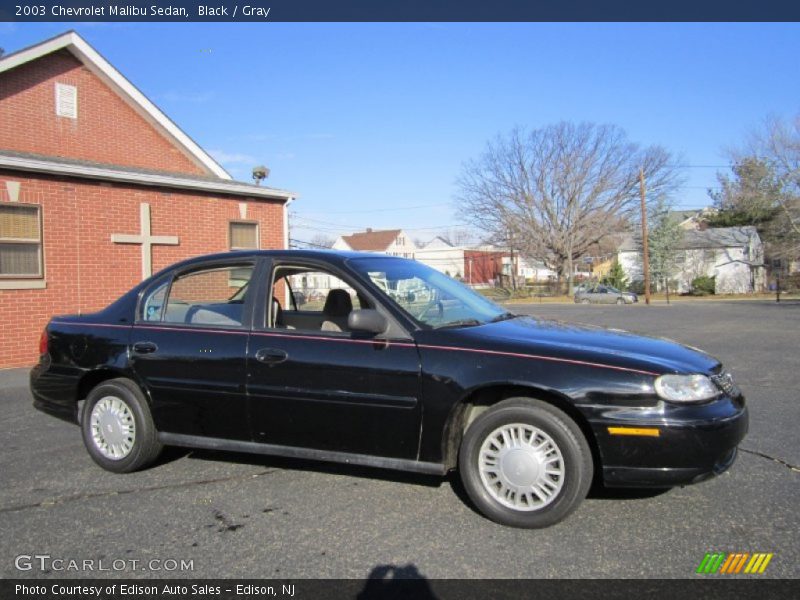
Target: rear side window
210, 297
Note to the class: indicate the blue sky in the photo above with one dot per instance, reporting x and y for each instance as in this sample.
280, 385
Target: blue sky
370, 123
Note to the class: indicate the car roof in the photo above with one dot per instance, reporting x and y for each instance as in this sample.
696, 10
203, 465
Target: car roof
335, 256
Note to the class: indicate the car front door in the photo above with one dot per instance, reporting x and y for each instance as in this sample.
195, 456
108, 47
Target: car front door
314, 384
188, 346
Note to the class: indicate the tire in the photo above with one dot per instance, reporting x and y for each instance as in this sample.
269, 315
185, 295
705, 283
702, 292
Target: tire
620, 301
132, 440
542, 424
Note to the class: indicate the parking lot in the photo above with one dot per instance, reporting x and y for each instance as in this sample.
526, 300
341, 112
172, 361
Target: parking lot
233, 515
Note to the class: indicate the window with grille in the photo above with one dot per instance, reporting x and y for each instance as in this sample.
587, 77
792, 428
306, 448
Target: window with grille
20, 241
244, 236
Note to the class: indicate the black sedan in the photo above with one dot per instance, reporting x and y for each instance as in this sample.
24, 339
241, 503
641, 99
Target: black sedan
389, 364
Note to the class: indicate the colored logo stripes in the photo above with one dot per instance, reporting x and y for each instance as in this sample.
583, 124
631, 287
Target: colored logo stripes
734, 563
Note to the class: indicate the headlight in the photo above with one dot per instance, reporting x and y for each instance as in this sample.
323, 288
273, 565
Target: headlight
686, 388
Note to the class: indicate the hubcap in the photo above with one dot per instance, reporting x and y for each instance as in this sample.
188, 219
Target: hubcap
521, 467
113, 428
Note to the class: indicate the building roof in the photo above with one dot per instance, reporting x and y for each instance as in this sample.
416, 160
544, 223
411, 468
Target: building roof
684, 215
115, 80
713, 237
440, 242
84, 169
370, 240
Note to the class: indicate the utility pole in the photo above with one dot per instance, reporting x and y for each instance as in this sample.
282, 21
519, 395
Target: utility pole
512, 272
645, 248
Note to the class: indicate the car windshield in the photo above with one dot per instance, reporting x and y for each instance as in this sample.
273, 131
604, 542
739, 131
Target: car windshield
428, 296
613, 290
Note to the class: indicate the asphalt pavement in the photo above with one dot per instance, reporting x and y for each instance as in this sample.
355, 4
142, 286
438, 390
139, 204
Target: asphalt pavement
233, 515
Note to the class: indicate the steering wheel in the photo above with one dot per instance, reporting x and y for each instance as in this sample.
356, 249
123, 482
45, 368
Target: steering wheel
439, 309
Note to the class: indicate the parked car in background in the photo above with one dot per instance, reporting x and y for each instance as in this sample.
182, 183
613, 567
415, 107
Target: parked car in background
215, 352
603, 294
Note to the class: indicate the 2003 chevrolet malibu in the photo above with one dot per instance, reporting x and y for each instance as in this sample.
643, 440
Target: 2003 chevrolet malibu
382, 361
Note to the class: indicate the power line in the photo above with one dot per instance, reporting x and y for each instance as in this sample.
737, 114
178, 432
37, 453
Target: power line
330, 227
312, 244
378, 210
701, 166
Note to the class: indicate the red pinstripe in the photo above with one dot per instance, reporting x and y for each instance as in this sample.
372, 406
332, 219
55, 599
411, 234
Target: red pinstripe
373, 342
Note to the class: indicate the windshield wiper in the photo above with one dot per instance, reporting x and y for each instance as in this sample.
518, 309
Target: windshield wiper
504, 317
459, 323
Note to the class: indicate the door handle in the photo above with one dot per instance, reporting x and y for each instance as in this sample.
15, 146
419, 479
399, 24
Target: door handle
144, 347
271, 356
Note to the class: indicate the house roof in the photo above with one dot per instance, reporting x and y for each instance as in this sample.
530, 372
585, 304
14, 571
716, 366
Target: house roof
84, 169
115, 80
371, 240
713, 237
438, 241
684, 215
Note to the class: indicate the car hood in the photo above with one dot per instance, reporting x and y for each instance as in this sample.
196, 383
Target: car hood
530, 335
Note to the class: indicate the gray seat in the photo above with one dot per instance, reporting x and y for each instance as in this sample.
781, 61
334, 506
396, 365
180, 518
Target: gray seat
338, 306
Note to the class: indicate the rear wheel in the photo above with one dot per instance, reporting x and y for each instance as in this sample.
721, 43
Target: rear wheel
585, 301
118, 430
524, 463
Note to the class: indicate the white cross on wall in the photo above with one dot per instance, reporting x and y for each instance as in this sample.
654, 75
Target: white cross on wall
145, 239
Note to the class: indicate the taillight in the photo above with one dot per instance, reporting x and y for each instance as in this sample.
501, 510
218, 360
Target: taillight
43, 343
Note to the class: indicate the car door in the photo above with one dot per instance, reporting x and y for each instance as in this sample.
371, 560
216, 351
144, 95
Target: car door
600, 294
188, 347
328, 390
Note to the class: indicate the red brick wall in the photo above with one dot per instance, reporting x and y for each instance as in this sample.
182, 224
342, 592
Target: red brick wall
107, 129
85, 271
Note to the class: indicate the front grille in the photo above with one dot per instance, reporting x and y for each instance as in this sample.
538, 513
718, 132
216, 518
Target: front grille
724, 381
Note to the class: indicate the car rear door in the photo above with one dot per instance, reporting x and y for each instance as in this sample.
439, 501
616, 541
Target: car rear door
189, 346
333, 391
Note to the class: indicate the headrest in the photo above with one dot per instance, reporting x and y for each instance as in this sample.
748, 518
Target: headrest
338, 304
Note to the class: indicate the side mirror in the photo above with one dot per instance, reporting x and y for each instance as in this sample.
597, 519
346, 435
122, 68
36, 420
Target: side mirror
367, 320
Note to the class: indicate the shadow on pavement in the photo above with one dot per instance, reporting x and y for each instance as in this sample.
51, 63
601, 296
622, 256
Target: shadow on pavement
390, 581
299, 464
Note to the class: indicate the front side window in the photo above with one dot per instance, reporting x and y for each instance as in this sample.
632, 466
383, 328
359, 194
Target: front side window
428, 296
20, 241
212, 297
311, 300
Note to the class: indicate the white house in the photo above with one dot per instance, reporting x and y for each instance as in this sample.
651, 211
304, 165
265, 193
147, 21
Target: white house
441, 255
394, 242
733, 255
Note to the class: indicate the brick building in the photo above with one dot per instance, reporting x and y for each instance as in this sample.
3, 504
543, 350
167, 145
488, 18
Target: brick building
99, 189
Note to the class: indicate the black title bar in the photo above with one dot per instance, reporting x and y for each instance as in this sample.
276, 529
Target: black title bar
398, 10
707, 588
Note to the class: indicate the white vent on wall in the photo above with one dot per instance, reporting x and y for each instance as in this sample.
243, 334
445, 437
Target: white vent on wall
66, 100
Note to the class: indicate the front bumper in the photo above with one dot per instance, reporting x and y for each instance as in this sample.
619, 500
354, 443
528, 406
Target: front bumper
693, 444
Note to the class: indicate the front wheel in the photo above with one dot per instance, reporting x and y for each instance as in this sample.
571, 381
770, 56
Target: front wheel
118, 430
620, 301
525, 463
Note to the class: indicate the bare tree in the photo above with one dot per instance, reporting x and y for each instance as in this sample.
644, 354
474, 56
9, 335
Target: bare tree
778, 145
321, 240
458, 236
556, 191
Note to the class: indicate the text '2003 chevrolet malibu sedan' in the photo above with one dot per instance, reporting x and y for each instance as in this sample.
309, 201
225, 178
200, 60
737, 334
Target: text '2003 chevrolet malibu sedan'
381, 361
